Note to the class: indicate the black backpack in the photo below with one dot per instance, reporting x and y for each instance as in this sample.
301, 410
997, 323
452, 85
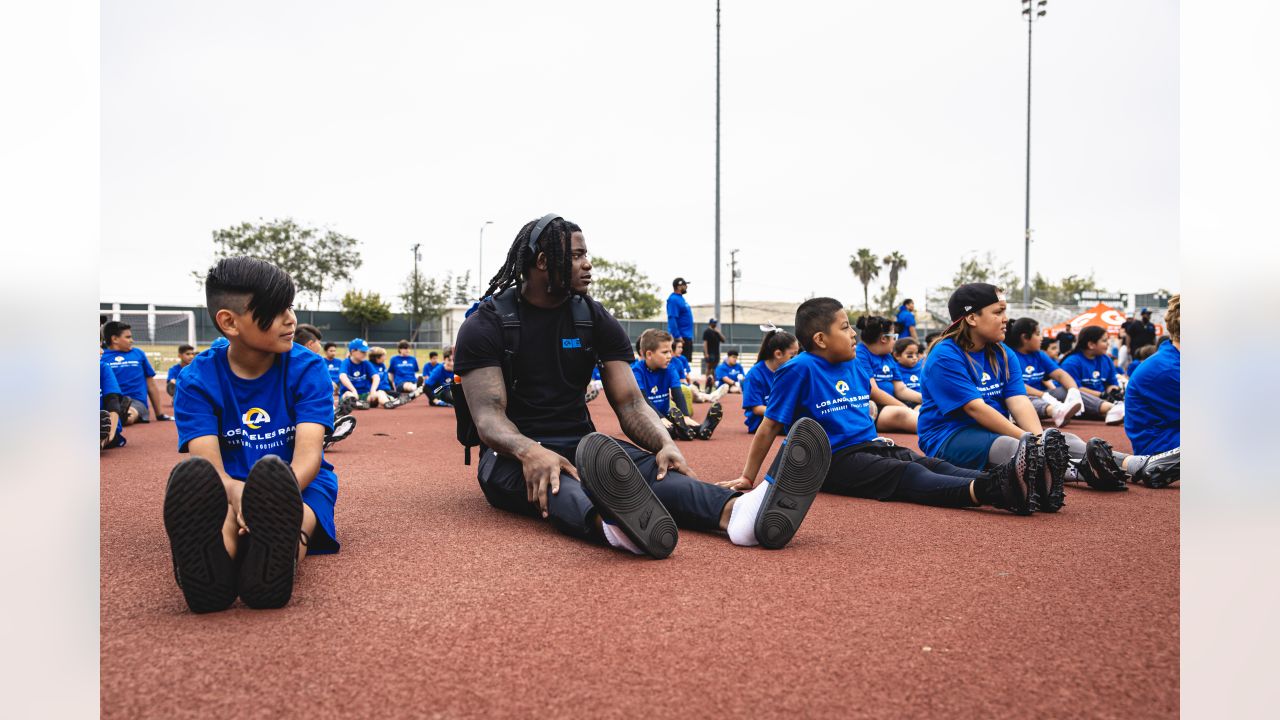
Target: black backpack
507, 304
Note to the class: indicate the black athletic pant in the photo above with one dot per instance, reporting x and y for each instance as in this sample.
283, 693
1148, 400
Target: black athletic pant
692, 503
888, 472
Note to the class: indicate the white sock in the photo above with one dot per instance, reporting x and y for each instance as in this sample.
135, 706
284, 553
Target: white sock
619, 539
1073, 475
742, 518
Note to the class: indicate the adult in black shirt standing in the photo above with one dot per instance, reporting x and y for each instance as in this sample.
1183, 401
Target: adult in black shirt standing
539, 455
1141, 331
711, 339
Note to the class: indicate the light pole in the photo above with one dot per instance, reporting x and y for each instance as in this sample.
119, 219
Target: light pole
718, 158
1031, 14
416, 281
480, 265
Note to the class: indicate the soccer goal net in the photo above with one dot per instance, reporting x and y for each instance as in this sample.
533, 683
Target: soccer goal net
159, 327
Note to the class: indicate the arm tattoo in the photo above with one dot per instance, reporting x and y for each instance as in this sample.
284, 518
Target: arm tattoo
639, 419
486, 394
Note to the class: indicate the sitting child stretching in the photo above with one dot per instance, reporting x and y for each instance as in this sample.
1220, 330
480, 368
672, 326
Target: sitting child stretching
730, 373
892, 400
1094, 372
309, 337
405, 378
258, 495
439, 383
906, 353
660, 384
776, 349
384, 394
358, 378
186, 354
1052, 391
826, 383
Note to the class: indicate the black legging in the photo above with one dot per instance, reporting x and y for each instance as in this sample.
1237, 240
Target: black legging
930, 481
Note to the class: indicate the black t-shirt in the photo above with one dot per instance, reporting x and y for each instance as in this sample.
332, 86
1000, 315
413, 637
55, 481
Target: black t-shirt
712, 337
548, 399
1140, 333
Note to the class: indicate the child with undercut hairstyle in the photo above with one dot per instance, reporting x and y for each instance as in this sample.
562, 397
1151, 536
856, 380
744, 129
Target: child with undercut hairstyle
186, 354
826, 383
257, 496
660, 383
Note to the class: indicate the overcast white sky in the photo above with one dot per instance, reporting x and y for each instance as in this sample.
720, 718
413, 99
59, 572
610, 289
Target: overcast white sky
892, 126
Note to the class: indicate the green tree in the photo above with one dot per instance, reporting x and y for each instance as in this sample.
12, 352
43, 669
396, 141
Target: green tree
423, 299
986, 269
624, 290
315, 261
865, 267
896, 263
365, 309
462, 289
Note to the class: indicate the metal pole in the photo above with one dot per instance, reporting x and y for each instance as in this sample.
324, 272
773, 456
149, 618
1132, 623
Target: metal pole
412, 336
480, 287
717, 159
1026, 258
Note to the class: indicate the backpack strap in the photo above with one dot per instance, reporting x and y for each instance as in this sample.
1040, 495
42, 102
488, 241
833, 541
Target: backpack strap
507, 305
584, 325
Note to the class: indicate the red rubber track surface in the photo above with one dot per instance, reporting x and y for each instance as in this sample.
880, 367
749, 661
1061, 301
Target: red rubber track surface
441, 606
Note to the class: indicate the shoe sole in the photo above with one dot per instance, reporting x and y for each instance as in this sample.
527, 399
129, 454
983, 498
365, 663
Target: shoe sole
676, 416
714, 416
1109, 476
1163, 476
104, 426
620, 490
806, 457
1035, 474
195, 509
1058, 460
272, 508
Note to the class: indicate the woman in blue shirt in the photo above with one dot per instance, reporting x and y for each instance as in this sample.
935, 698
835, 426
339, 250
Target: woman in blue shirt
1095, 373
890, 396
976, 411
777, 348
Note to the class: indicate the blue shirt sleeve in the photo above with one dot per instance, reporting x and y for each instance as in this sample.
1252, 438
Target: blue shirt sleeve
754, 386
948, 379
787, 386
312, 391
147, 370
193, 409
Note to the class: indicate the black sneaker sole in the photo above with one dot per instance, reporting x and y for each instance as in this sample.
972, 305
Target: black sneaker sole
676, 417
1035, 470
624, 497
104, 425
272, 508
345, 406
1105, 473
1058, 460
195, 509
714, 416
806, 457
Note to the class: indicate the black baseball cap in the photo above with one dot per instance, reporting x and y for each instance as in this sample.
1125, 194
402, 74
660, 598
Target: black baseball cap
972, 298
679, 281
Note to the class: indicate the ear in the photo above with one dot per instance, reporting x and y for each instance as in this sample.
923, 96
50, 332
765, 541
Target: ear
540, 261
971, 320
227, 323
820, 340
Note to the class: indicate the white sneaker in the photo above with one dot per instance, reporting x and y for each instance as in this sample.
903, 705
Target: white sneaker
1115, 415
1073, 398
1062, 412
718, 393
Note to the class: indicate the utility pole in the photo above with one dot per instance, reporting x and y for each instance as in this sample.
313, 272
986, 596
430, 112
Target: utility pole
734, 275
718, 158
1031, 15
417, 280
480, 286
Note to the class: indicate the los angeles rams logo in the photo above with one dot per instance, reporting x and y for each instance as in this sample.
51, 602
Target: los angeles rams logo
986, 378
1031, 369
1096, 373
255, 418
842, 387
884, 368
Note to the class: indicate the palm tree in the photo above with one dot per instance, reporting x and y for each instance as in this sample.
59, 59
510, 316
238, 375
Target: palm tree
865, 266
896, 263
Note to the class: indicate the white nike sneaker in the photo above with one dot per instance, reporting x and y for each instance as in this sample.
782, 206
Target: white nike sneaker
1073, 398
1115, 415
718, 393
1064, 411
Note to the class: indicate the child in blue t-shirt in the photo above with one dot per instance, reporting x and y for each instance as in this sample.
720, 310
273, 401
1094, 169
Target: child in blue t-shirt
892, 401
730, 372
359, 377
1052, 390
133, 372
405, 377
111, 433
253, 414
1094, 372
777, 347
826, 384
1153, 421
439, 382
384, 395
309, 337
186, 354
659, 382
906, 355
333, 364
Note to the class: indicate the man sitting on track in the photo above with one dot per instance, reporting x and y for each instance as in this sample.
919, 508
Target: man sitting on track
525, 356
258, 496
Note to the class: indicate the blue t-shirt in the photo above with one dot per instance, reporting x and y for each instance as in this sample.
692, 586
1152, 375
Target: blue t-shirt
656, 384
756, 389
1096, 374
1036, 367
404, 369
837, 396
910, 376
679, 316
1152, 416
132, 370
384, 382
335, 369
438, 376
906, 319
953, 378
682, 366
254, 418
107, 384
725, 370
174, 371
360, 374
882, 369
1133, 365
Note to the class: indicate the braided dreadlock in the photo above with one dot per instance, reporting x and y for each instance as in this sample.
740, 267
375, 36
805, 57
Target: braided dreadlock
554, 242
